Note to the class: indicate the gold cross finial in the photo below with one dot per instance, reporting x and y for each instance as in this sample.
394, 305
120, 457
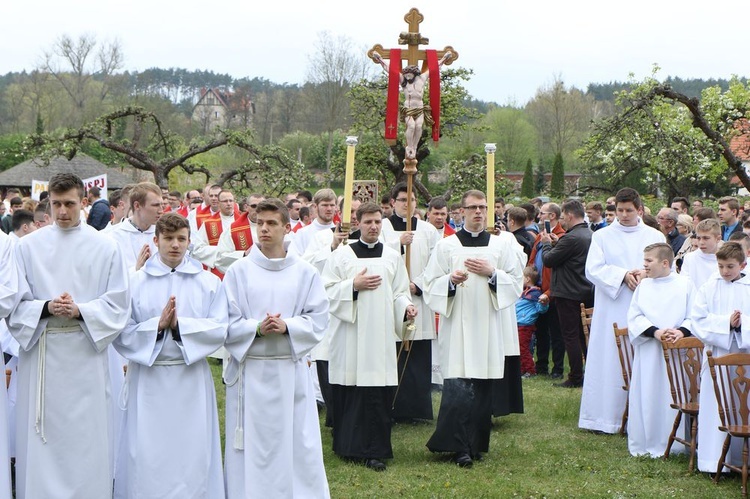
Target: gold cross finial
412, 39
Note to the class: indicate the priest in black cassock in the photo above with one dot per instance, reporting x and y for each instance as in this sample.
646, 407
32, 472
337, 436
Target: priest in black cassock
473, 280
368, 291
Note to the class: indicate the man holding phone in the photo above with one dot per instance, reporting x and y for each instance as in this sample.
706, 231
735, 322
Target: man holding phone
548, 326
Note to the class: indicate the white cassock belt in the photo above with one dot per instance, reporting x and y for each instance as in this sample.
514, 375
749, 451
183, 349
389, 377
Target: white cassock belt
239, 380
54, 325
125, 390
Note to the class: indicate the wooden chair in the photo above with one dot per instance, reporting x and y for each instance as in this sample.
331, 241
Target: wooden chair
625, 352
683, 361
586, 315
729, 374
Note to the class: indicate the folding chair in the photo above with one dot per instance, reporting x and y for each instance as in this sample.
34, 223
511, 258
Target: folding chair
586, 315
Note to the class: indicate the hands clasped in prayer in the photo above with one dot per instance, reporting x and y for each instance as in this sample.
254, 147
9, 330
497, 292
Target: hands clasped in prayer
735, 320
272, 324
168, 319
64, 306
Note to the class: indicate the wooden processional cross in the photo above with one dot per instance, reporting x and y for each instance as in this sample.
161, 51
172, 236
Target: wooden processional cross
413, 55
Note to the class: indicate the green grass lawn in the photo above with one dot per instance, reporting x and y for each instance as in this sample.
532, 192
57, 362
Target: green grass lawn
541, 453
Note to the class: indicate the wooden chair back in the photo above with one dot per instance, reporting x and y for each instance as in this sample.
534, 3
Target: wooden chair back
625, 352
729, 374
683, 362
586, 315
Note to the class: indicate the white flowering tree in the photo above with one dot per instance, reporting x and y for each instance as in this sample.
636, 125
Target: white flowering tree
660, 139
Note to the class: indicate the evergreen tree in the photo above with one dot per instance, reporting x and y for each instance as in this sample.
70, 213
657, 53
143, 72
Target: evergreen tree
527, 185
541, 184
557, 185
39, 124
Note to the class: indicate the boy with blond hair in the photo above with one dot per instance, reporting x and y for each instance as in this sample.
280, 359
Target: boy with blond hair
719, 310
699, 265
659, 311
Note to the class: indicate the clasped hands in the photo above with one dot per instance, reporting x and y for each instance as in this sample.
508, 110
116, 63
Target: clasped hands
668, 334
272, 324
633, 278
64, 306
474, 265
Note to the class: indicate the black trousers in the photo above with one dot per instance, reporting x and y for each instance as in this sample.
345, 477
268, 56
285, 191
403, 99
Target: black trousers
414, 400
321, 367
569, 314
548, 335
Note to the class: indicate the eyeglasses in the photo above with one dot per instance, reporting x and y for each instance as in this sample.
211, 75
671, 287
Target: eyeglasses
475, 207
401, 200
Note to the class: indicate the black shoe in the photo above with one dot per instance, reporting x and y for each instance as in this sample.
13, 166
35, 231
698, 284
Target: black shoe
568, 384
478, 457
556, 375
463, 460
375, 464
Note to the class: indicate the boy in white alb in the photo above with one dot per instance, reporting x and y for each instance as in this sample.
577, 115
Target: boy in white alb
178, 317
699, 265
719, 311
659, 311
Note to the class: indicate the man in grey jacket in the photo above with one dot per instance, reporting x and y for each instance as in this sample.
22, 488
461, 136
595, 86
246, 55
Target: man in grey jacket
569, 286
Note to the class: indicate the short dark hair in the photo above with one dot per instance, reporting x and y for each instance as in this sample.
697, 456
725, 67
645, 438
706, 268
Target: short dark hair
385, 199
398, 189
628, 195
42, 207
737, 236
305, 194
518, 215
683, 201
530, 211
500, 200
171, 222
16, 201
63, 182
291, 202
275, 205
731, 251
704, 213
304, 212
95, 191
176, 194
21, 217
610, 207
367, 208
437, 203
574, 207
115, 197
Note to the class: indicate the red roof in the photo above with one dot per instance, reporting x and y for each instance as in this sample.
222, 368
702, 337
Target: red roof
740, 144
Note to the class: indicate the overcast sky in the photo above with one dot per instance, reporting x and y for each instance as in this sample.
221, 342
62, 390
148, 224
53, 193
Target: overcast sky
514, 47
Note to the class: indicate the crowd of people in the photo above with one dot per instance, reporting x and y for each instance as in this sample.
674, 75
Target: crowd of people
113, 306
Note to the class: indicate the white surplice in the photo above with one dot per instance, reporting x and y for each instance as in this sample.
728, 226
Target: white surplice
226, 253
715, 302
170, 446
615, 250
202, 249
426, 237
661, 303
273, 444
477, 325
131, 240
364, 331
698, 267
303, 237
9, 287
64, 402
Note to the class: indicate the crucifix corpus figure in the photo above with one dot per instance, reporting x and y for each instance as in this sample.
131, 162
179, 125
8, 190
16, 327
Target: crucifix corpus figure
414, 113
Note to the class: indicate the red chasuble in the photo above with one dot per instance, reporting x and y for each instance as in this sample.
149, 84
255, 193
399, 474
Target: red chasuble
242, 237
